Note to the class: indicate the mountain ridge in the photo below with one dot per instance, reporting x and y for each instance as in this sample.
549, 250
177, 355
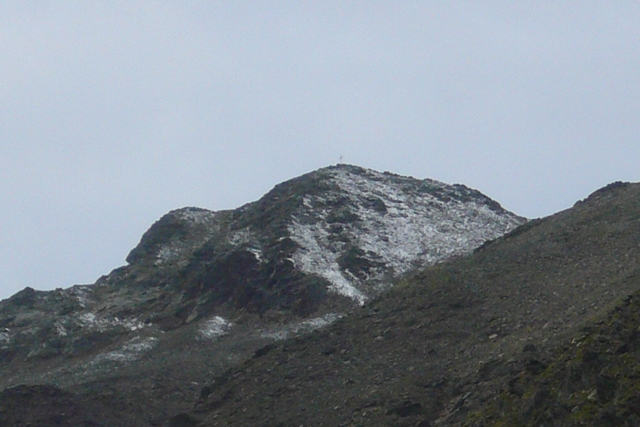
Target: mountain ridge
457, 336
215, 287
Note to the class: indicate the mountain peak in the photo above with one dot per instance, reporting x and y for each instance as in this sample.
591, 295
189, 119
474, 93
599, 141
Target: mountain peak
350, 229
213, 287
310, 250
512, 333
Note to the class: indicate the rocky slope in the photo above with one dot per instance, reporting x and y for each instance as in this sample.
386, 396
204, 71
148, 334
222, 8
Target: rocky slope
592, 379
494, 338
205, 289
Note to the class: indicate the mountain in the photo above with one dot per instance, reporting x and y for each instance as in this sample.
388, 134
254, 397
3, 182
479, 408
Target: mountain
203, 291
538, 327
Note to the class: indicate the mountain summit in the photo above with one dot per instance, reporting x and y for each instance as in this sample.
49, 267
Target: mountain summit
341, 231
307, 252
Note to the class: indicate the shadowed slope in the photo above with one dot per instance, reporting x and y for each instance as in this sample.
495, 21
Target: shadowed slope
44, 405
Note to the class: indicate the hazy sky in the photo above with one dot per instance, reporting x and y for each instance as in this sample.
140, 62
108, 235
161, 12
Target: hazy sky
113, 113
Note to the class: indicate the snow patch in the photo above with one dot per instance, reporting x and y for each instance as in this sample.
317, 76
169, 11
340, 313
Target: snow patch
60, 329
81, 294
4, 337
256, 253
195, 216
314, 258
202, 224
214, 328
168, 253
399, 223
91, 321
130, 351
301, 327
242, 237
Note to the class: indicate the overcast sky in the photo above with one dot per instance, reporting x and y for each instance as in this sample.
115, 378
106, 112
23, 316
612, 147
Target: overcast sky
113, 113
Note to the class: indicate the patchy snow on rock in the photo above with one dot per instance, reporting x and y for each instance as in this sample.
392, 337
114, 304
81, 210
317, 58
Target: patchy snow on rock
5, 338
195, 215
201, 224
256, 253
242, 237
313, 257
397, 222
90, 320
415, 224
166, 253
81, 294
214, 328
172, 251
60, 329
130, 351
301, 327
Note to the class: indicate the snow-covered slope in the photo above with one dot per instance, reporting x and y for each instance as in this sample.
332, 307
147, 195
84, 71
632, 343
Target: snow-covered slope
393, 223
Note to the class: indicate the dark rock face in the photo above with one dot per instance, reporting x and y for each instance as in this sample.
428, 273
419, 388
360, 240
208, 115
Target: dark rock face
215, 288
